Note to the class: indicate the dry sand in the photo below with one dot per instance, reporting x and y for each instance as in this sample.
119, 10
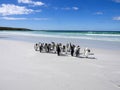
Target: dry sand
22, 68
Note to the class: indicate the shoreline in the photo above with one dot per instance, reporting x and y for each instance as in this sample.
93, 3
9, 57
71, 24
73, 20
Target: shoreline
109, 45
35, 37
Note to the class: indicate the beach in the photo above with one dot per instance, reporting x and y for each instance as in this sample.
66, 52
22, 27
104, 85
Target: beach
59, 44
23, 68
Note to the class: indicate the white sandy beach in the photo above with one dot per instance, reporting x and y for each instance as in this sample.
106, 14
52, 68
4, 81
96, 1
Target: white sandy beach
22, 68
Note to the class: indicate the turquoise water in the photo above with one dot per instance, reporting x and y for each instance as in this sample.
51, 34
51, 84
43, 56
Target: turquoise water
89, 35
113, 36
96, 39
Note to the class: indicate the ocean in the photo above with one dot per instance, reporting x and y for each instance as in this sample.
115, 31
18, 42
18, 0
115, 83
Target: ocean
101, 39
89, 35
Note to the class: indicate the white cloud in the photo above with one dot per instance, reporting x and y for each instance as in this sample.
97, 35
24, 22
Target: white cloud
11, 9
13, 18
70, 8
40, 19
99, 13
75, 8
24, 1
37, 3
116, 18
117, 1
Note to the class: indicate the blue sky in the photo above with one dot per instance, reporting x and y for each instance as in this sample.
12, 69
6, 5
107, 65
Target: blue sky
61, 14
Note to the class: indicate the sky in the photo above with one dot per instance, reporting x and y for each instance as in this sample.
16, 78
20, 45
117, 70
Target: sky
61, 14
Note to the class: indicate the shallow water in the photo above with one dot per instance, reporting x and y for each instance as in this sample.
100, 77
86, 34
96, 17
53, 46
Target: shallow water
104, 40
